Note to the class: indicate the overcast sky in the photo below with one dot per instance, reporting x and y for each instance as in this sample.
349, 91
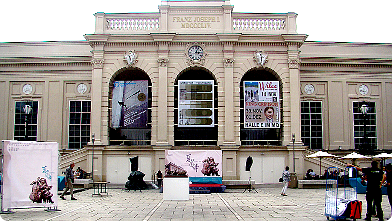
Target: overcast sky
333, 20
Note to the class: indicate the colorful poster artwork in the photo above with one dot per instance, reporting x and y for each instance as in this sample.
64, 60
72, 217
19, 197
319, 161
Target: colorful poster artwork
193, 163
196, 103
130, 104
262, 106
29, 174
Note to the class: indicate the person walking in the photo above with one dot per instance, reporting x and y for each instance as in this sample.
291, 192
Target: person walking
286, 180
69, 177
374, 176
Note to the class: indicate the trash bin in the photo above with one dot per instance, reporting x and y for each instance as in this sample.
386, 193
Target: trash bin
293, 180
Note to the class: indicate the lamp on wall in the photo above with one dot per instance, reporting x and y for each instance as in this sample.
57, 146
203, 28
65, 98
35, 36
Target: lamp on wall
364, 149
27, 110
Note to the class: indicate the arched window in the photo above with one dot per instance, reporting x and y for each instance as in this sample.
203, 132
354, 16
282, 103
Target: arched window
130, 108
196, 105
261, 108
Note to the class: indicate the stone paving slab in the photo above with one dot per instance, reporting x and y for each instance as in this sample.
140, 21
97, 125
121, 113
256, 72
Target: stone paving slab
148, 205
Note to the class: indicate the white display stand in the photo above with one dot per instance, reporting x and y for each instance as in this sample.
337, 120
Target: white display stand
176, 188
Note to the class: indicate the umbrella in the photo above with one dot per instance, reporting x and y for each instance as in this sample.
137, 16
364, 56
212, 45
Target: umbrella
383, 156
320, 154
353, 156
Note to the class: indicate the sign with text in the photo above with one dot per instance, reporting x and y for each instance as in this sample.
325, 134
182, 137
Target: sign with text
193, 163
196, 22
195, 103
262, 106
29, 174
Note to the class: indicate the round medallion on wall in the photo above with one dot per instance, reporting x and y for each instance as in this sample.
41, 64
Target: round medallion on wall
195, 52
363, 89
141, 97
27, 89
82, 88
309, 89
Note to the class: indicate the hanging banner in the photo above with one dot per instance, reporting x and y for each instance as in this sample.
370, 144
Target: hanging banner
193, 163
29, 174
196, 103
262, 106
130, 104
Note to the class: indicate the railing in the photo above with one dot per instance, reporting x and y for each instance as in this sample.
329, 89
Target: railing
74, 157
133, 24
259, 24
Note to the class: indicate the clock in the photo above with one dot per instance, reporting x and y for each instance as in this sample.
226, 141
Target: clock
195, 52
309, 89
82, 88
363, 89
27, 89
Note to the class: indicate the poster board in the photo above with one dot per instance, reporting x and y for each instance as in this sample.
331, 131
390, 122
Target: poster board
196, 163
195, 103
262, 104
130, 104
28, 166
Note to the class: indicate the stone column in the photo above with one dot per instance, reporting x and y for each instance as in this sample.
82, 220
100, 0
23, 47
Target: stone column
96, 88
229, 100
162, 130
294, 42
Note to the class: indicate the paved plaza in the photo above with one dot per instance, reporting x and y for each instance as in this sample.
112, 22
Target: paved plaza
233, 204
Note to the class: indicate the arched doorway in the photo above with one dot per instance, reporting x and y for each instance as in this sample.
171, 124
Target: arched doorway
130, 108
196, 105
261, 108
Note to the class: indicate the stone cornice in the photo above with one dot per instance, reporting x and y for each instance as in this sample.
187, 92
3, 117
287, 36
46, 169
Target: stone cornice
294, 39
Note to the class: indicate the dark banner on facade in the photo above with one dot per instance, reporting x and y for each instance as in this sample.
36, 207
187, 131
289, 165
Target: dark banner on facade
29, 174
261, 104
130, 104
196, 103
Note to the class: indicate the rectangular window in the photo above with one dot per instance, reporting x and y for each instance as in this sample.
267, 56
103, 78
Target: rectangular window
79, 124
365, 126
312, 124
26, 124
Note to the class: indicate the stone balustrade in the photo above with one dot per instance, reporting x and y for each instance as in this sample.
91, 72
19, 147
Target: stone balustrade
146, 23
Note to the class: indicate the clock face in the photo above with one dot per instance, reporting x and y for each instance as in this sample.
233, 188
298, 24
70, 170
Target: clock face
82, 88
309, 89
195, 52
27, 89
363, 89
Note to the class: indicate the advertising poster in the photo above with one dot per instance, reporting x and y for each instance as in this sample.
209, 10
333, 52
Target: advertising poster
196, 103
193, 163
29, 174
262, 106
130, 104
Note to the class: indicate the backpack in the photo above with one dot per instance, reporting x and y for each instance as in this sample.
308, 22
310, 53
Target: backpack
354, 209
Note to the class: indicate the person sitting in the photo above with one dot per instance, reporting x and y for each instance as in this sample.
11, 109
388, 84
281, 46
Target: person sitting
80, 174
313, 175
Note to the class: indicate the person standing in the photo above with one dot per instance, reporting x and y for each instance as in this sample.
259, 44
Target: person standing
159, 178
69, 177
286, 180
374, 176
388, 179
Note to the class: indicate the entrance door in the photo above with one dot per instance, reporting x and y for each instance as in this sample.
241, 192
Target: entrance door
272, 168
118, 170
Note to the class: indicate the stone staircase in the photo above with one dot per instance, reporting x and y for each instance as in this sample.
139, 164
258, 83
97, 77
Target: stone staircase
325, 162
79, 157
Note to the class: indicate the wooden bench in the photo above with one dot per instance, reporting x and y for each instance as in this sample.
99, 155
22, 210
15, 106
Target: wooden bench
303, 184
